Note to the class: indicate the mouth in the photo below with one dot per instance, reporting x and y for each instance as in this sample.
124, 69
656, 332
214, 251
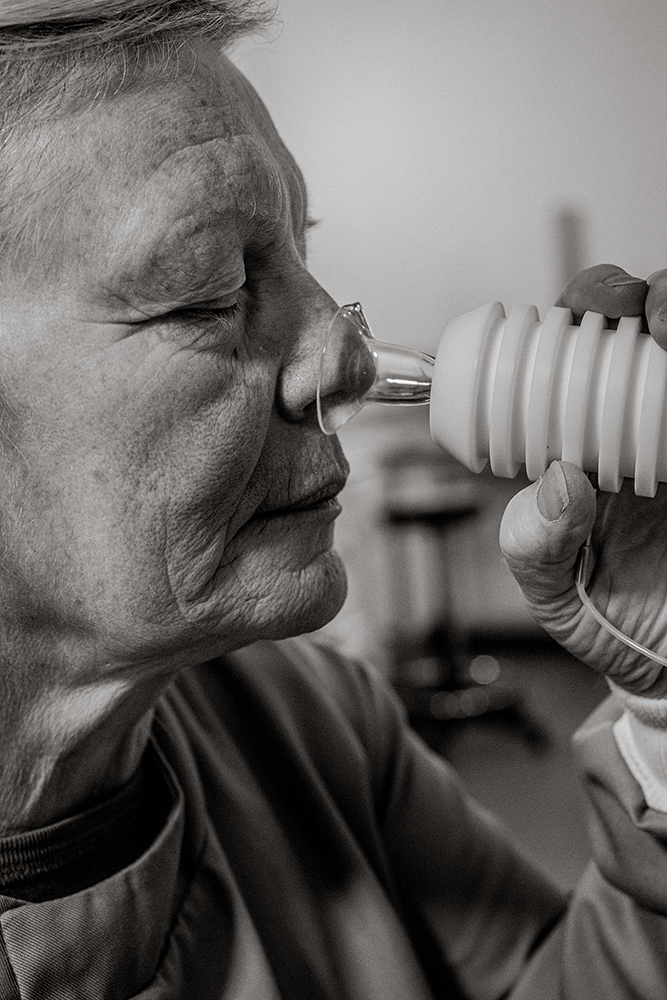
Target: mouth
322, 499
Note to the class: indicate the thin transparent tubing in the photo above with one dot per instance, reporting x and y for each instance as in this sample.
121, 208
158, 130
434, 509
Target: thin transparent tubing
580, 580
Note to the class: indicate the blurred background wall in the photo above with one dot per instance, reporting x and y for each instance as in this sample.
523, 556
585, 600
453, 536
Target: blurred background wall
459, 151
456, 152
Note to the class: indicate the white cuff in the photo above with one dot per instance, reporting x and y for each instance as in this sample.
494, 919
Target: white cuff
641, 737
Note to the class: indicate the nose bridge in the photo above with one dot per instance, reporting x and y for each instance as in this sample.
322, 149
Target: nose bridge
297, 380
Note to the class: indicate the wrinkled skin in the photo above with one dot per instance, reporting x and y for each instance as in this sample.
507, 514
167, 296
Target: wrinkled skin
168, 495
628, 581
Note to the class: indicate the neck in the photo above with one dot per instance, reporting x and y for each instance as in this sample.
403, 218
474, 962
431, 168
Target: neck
68, 748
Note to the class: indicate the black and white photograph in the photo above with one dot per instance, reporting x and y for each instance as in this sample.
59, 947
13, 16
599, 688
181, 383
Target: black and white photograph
333, 500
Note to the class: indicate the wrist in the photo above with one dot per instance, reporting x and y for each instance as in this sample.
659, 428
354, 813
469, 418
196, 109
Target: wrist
641, 737
651, 711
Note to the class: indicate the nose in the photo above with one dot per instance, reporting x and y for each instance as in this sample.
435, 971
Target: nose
296, 389
348, 370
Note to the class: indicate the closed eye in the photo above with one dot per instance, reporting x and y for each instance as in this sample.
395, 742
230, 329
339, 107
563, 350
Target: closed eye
197, 314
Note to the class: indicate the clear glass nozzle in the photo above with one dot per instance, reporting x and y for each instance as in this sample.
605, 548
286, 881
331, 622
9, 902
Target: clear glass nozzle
356, 369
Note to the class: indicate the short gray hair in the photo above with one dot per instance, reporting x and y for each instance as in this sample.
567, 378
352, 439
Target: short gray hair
56, 55
46, 27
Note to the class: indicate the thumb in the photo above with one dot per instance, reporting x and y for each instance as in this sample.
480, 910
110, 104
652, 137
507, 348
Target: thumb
540, 535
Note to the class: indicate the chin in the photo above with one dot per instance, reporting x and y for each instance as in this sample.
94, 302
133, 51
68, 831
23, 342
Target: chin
321, 593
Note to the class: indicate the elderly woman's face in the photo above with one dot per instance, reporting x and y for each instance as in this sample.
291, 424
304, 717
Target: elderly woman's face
170, 488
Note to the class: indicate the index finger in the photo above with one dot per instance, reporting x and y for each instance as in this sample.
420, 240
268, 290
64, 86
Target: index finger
605, 289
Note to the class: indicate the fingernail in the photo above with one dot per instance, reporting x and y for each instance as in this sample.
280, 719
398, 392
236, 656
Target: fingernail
552, 495
619, 280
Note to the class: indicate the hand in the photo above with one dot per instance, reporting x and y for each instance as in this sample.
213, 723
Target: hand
545, 524
610, 290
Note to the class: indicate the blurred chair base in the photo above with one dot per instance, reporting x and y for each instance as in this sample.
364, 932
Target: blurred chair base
438, 715
428, 496
450, 687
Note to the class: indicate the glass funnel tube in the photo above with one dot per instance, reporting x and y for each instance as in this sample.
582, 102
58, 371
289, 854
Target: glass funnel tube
356, 369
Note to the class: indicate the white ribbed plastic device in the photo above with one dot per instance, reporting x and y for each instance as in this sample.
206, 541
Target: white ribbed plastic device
517, 391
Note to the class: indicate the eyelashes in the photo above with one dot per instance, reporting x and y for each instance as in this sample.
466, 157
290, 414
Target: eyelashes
205, 314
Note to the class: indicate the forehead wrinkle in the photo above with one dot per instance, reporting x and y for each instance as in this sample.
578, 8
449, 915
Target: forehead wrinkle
173, 179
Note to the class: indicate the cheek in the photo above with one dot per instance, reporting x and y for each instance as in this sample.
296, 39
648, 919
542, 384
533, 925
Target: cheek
135, 475
187, 465
188, 422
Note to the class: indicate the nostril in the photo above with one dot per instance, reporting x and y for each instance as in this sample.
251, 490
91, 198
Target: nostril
357, 369
347, 369
361, 371
347, 372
